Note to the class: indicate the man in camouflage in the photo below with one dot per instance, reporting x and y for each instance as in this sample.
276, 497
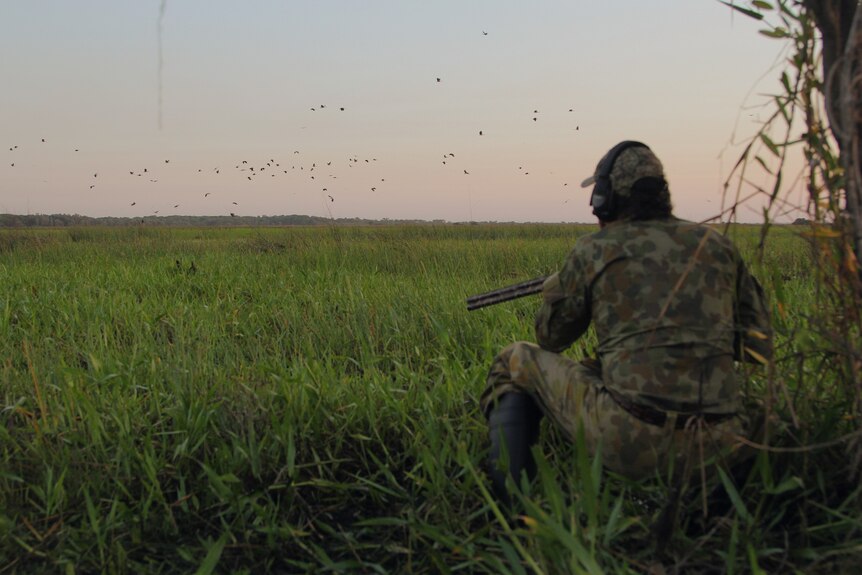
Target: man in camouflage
673, 307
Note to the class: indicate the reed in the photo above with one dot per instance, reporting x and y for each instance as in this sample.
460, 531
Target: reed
305, 400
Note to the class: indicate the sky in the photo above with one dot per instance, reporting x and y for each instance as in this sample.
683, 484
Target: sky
489, 110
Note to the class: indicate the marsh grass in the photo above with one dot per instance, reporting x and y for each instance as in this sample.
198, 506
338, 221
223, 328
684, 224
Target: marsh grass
305, 400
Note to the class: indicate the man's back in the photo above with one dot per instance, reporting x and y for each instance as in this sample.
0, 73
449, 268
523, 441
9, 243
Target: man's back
664, 297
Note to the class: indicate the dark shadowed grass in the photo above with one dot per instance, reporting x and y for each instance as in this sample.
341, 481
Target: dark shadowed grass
305, 400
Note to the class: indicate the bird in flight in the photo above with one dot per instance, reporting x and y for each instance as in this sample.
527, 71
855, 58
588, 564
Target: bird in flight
133, 203
206, 194
331, 199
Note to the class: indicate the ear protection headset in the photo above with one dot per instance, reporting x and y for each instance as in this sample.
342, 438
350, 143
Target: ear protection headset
602, 198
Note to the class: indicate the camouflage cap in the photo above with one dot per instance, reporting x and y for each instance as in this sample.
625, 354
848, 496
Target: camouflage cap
631, 165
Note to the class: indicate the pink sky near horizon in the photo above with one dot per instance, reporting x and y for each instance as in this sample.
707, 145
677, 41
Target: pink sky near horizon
550, 85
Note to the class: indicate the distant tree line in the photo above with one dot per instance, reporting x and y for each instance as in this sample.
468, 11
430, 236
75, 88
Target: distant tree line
65, 220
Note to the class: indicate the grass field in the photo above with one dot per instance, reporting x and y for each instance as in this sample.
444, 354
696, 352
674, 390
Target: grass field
305, 400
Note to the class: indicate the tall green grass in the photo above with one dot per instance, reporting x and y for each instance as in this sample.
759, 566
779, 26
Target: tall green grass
305, 400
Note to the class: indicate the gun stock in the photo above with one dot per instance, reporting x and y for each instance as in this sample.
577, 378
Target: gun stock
508, 293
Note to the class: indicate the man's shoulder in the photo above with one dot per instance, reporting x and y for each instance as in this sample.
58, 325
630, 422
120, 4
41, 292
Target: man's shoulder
674, 228
641, 237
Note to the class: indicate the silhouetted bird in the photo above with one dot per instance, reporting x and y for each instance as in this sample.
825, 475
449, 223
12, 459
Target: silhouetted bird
133, 203
166, 161
466, 172
206, 194
236, 204
342, 109
480, 132
233, 215
438, 79
176, 205
331, 199
484, 33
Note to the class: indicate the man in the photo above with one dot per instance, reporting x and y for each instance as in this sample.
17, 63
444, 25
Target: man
673, 307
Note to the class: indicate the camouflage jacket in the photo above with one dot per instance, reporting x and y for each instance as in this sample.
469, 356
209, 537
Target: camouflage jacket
673, 307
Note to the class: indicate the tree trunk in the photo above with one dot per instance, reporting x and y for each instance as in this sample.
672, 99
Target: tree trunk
840, 23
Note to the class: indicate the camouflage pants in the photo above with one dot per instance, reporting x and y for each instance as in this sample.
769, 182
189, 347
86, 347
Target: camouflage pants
572, 394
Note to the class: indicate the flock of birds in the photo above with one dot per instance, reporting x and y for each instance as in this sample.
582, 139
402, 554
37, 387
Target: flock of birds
318, 172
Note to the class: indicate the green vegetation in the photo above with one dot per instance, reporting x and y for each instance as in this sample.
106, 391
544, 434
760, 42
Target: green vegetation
305, 400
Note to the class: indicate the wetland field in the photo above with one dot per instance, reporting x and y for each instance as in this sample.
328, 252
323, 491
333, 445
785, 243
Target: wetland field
305, 400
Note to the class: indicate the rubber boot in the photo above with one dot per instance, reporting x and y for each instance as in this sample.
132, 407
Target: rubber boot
513, 423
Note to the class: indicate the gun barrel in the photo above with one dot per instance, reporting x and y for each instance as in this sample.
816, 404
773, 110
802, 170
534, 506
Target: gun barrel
507, 293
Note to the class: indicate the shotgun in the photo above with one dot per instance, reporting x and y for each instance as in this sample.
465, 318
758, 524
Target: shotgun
511, 292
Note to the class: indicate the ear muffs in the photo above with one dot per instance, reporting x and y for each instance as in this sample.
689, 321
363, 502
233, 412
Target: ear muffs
602, 198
